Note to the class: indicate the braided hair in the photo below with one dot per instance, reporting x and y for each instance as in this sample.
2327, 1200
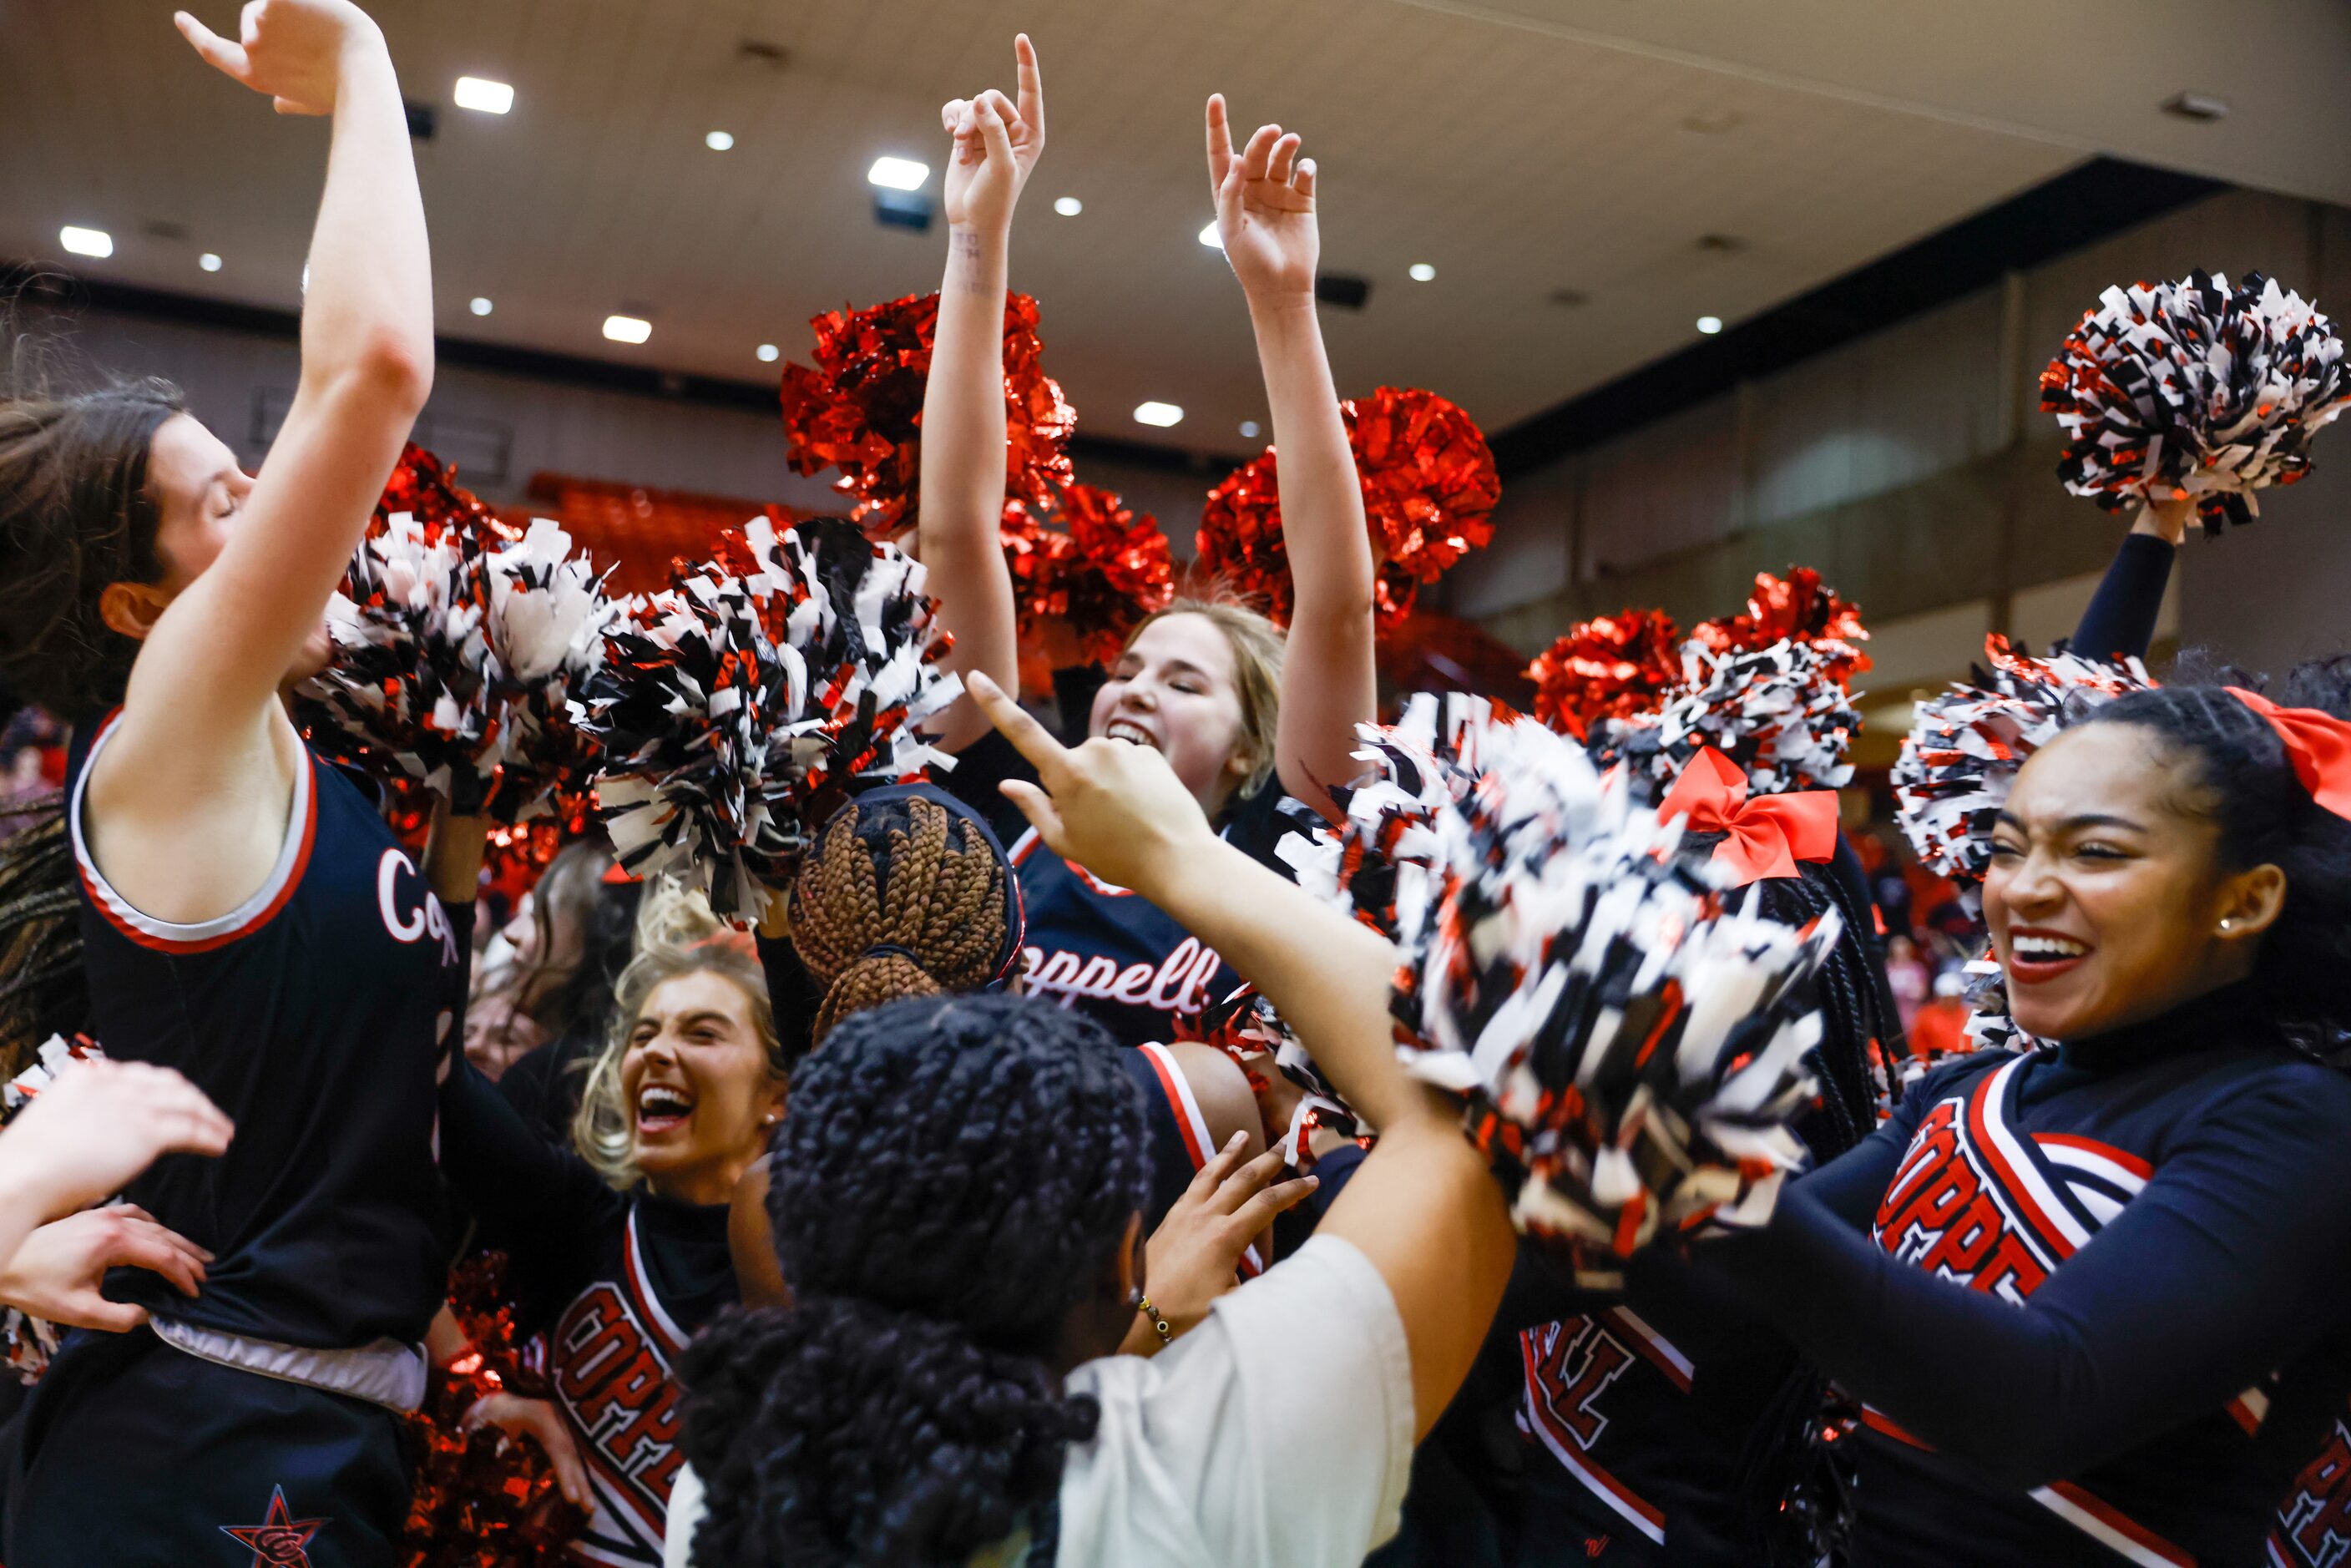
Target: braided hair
2239, 778
904, 894
949, 1182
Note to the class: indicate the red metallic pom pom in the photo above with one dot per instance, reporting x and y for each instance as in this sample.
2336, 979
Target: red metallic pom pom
1100, 576
860, 410
1612, 666
1794, 608
426, 488
1429, 493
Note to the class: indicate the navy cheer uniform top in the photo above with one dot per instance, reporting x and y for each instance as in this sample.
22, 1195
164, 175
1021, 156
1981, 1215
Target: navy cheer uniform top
2112, 1277
313, 1015
611, 1286
1091, 944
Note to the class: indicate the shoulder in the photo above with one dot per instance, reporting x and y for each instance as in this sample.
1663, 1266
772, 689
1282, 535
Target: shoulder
2275, 1093
1961, 1075
1220, 1088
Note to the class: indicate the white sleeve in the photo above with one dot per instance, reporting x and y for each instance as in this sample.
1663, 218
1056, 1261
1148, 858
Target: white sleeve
1278, 1434
685, 1512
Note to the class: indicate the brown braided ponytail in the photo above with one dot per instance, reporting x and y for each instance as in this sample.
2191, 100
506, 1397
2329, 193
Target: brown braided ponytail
903, 896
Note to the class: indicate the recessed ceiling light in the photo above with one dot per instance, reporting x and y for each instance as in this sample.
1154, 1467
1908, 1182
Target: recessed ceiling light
627, 329
1249, 428
719, 141
1422, 272
770, 353
898, 174
484, 96
209, 262
85, 242
1709, 325
480, 307
1210, 237
1162, 414
1067, 206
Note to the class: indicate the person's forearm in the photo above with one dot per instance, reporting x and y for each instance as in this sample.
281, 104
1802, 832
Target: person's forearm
1329, 685
1327, 974
367, 310
961, 476
452, 855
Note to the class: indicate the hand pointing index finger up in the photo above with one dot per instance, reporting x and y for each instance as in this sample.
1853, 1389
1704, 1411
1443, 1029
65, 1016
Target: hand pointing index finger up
1111, 806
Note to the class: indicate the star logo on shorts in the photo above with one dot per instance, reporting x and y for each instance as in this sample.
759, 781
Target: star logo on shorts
278, 1540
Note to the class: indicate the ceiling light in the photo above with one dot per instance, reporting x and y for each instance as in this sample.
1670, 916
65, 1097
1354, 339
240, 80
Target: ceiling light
1162, 414
1709, 325
1422, 272
2200, 106
482, 95
898, 174
85, 242
719, 141
209, 262
1067, 206
627, 329
1249, 428
770, 353
480, 307
1210, 237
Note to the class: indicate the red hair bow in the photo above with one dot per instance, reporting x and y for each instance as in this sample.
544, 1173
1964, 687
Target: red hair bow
2317, 744
1768, 835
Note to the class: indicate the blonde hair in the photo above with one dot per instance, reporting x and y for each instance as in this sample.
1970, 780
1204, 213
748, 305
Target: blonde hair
1258, 646
678, 935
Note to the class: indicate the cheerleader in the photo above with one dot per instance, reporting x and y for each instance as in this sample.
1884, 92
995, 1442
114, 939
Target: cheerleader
958, 1189
2092, 1296
247, 917
618, 1245
1247, 720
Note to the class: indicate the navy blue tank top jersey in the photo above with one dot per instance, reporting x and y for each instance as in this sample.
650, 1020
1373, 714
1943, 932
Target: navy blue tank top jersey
2015, 1166
2313, 1529
313, 1014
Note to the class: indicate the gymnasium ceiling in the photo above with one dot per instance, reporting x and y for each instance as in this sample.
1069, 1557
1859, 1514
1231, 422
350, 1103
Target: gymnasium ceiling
1587, 177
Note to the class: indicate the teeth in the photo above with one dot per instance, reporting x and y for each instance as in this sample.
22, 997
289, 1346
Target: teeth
1122, 730
2047, 949
663, 1102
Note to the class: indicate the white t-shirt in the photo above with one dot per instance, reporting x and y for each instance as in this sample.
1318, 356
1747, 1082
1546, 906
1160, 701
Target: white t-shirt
1278, 1434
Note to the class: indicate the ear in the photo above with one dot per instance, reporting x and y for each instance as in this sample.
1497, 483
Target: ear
778, 1096
2250, 903
133, 608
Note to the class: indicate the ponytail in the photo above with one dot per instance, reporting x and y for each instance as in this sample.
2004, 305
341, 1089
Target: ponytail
952, 1180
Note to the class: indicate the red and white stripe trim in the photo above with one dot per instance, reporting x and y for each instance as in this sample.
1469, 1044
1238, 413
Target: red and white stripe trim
1197, 1141
1653, 1347
2134, 1542
1636, 1510
199, 937
672, 1339
2044, 1216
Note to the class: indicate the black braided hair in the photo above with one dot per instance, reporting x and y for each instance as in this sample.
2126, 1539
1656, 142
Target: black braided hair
2241, 779
951, 1177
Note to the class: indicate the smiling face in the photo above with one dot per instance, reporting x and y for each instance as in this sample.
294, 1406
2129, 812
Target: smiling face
1176, 690
2107, 893
200, 491
700, 1091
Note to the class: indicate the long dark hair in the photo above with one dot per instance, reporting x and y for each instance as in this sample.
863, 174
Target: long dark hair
75, 515
2241, 779
950, 1178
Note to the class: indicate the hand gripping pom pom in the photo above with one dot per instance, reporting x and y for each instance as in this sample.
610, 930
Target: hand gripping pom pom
735, 706
1777, 712
1245, 1027
1796, 607
1429, 493
860, 409
1613, 666
1630, 1051
1966, 745
25, 1340
2194, 390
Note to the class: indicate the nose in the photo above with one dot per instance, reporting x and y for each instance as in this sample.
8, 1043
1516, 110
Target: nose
2034, 887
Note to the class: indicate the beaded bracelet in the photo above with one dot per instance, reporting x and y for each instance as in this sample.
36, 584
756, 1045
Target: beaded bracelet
1159, 1324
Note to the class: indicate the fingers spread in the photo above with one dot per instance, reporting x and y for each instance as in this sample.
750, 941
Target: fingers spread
1257, 1212
1217, 1169
1284, 159
1260, 151
1249, 1180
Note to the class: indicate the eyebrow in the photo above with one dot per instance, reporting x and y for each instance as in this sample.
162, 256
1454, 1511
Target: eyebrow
698, 1015
1189, 668
2075, 823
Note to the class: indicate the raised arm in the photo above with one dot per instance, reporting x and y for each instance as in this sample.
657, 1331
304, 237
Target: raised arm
962, 509
1423, 1208
2119, 620
1265, 216
219, 653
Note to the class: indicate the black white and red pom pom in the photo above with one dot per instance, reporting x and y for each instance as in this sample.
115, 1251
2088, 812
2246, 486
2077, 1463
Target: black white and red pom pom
548, 617
733, 707
1630, 1040
1245, 1027
1967, 743
1778, 712
2194, 390
27, 1342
